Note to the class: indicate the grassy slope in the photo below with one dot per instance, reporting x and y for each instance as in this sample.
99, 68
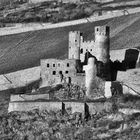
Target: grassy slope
26, 49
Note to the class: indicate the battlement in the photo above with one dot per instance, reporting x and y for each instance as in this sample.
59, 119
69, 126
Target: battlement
98, 46
73, 34
88, 41
76, 31
102, 30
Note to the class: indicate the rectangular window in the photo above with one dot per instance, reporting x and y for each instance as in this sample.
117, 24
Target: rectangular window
66, 72
48, 65
81, 51
53, 65
54, 72
60, 72
68, 64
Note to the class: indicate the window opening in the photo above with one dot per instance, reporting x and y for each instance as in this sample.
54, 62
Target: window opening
54, 73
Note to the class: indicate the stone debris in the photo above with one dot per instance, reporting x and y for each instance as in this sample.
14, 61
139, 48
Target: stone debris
70, 91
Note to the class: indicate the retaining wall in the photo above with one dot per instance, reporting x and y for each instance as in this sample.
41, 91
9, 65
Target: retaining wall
30, 97
98, 107
27, 106
82, 107
75, 106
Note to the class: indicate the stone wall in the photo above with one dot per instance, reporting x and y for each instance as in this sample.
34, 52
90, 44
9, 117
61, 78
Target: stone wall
97, 107
87, 45
24, 77
74, 45
31, 97
75, 106
27, 106
54, 71
122, 54
98, 47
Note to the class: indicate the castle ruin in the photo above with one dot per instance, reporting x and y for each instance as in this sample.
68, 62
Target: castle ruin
86, 61
88, 65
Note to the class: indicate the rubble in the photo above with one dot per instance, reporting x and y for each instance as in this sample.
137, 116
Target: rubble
69, 91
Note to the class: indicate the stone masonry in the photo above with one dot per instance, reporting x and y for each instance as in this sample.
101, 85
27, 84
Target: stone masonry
76, 69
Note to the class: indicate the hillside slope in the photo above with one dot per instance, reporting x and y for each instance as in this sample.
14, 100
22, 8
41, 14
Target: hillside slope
26, 49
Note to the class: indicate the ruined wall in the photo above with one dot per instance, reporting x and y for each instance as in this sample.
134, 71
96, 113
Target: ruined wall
87, 46
98, 47
74, 45
27, 106
98, 107
24, 77
78, 47
55, 71
121, 54
102, 43
77, 106
30, 97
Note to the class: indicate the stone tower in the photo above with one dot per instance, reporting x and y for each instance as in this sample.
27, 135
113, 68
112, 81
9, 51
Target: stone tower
90, 74
102, 43
74, 45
